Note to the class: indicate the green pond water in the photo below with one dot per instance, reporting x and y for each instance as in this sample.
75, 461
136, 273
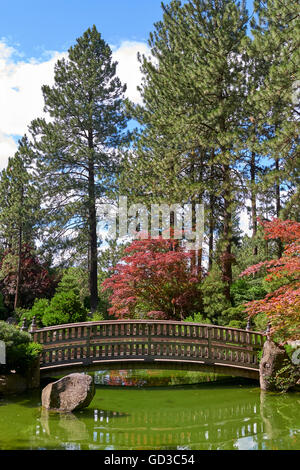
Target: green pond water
154, 410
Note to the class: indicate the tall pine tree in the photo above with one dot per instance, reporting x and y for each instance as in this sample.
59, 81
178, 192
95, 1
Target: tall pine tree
192, 116
20, 207
76, 150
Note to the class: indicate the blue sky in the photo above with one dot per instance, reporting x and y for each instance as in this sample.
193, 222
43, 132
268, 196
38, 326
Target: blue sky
35, 33
38, 25
55, 24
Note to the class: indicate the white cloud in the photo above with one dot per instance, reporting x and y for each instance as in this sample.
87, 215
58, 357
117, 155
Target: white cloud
8, 148
128, 68
21, 98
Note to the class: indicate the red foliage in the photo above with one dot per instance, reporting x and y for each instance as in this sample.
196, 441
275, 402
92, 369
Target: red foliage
36, 282
156, 278
283, 304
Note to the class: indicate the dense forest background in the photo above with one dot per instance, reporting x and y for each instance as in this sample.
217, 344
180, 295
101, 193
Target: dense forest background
219, 126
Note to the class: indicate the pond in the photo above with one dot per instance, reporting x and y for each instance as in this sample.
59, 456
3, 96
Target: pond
153, 410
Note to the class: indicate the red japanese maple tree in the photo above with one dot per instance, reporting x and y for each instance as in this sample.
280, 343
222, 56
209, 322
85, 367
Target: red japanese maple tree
155, 280
36, 281
282, 306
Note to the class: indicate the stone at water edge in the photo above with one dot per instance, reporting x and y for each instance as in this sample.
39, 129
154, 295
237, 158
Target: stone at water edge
273, 359
71, 393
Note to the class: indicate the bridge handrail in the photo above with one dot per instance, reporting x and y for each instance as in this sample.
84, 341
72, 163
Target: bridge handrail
149, 322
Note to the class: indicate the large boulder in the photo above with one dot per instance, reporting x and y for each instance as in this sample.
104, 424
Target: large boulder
277, 372
71, 393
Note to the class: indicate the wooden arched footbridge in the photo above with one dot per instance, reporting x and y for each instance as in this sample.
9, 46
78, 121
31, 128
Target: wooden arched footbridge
144, 344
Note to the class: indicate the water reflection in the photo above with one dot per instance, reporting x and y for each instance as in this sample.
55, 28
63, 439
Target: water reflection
154, 378
130, 415
261, 422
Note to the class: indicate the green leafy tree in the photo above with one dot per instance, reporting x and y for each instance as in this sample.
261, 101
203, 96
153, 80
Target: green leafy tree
76, 151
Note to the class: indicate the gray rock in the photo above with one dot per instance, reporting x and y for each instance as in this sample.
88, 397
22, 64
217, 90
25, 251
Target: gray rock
273, 360
71, 393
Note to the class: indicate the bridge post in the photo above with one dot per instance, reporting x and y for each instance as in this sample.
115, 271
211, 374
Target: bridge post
24, 325
149, 341
209, 337
88, 345
33, 325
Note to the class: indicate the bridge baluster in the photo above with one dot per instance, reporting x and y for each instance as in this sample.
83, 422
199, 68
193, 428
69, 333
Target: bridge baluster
62, 355
43, 359
56, 357
71, 353
214, 334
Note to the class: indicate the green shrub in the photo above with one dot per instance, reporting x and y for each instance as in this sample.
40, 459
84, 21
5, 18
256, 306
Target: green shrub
20, 350
75, 279
236, 324
37, 311
246, 290
234, 316
197, 318
19, 313
214, 300
97, 316
65, 307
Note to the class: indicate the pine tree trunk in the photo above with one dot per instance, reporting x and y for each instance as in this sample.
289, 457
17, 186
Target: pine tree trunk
92, 232
18, 282
278, 205
212, 200
211, 232
253, 202
227, 257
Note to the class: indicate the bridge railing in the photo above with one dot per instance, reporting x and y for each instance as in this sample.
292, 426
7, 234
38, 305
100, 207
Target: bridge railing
144, 340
